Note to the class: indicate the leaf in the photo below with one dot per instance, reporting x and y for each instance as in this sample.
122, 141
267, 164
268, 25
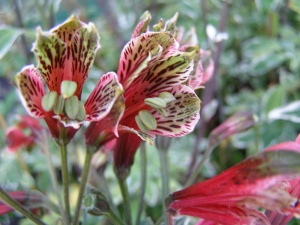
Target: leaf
8, 35
273, 98
290, 112
294, 5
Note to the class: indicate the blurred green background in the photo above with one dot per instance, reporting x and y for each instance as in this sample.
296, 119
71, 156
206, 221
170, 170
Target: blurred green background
257, 54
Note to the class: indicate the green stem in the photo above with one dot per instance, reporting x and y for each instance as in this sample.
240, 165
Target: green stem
103, 186
198, 166
126, 200
114, 219
7, 199
54, 180
143, 182
65, 178
164, 168
84, 177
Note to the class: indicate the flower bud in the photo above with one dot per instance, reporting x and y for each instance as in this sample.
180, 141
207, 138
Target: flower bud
237, 123
49, 100
95, 204
68, 88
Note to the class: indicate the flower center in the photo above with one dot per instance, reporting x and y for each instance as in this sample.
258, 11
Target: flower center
66, 104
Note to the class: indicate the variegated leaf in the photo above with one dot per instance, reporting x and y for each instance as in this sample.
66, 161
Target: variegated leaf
103, 97
160, 76
138, 49
31, 90
183, 113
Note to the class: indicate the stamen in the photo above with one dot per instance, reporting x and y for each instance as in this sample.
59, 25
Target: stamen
68, 88
49, 100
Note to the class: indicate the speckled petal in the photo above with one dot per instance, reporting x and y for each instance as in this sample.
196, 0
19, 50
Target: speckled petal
31, 90
103, 97
138, 49
183, 113
67, 52
50, 53
160, 76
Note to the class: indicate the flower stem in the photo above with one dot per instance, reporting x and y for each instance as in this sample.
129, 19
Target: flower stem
114, 218
6, 198
143, 182
84, 177
198, 166
65, 178
53, 178
164, 168
126, 200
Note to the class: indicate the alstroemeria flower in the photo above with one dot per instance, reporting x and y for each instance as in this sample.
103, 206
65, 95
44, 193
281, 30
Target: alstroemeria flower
65, 55
157, 101
23, 134
234, 196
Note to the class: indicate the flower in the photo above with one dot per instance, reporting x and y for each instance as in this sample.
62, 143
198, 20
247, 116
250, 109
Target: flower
65, 55
24, 134
234, 196
156, 100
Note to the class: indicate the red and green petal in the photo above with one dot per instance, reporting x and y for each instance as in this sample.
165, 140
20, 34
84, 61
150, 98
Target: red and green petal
50, 53
183, 113
159, 76
31, 91
103, 97
67, 53
138, 49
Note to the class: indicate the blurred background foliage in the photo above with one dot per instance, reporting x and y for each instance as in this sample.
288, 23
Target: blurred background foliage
256, 47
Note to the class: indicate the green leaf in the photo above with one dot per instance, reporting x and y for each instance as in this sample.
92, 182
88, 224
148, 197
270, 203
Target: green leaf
295, 5
273, 98
290, 112
8, 35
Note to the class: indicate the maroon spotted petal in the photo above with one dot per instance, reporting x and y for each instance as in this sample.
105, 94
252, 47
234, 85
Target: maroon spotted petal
31, 90
103, 97
183, 113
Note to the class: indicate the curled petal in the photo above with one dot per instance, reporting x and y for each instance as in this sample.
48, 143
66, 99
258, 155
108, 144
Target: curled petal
31, 91
160, 76
103, 97
138, 49
183, 113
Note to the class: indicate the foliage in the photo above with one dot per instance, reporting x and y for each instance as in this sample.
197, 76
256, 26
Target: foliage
258, 72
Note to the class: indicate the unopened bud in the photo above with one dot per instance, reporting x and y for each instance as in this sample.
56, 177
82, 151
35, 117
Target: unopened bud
159, 26
49, 100
237, 123
68, 88
71, 107
95, 204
